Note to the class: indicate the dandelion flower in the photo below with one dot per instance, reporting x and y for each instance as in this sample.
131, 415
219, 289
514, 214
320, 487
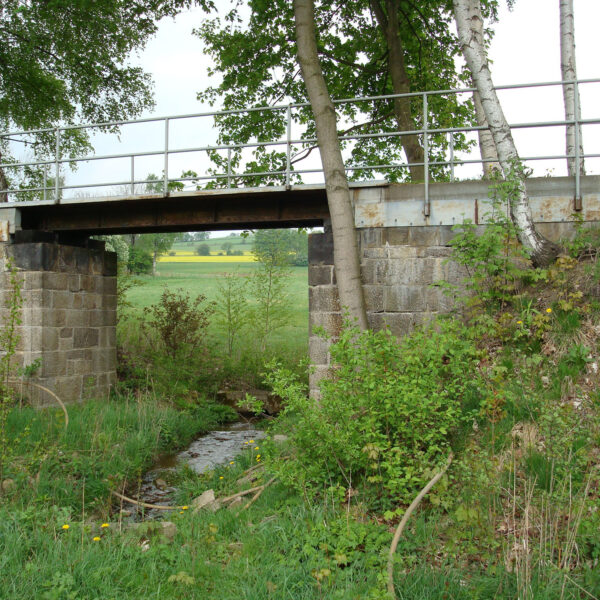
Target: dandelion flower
221, 477
519, 322
258, 456
65, 526
180, 512
184, 507
257, 459
96, 539
256, 447
232, 462
548, 310
251, 442
104, 525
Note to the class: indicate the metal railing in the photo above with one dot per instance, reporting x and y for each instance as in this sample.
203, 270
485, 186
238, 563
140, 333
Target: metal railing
53, 166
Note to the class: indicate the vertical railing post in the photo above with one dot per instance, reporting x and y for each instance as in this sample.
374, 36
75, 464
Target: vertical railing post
229, 167
166, 166
45, 193
426, 206
288, 158
132, 174
57, 168
578, 203
451, 156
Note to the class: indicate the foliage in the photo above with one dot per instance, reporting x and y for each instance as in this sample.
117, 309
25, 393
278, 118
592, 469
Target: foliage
494, 260
9, 338
281, 246
355, 61
68, 60
385, 416
203, 250
180, 322
268, 288
232, 308
139, 261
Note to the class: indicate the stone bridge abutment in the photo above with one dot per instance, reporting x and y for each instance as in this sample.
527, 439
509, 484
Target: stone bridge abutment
68, 316
70, 287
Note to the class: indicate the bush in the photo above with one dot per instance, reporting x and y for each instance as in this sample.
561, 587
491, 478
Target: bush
203, 250
139, 262
385, 417
180, 322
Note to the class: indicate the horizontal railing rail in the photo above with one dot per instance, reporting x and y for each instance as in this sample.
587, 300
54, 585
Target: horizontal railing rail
53, 171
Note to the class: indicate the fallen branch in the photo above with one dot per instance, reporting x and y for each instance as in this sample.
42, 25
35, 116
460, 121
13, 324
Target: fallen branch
405, 517
259, 466
242, 493
45, 389
257, 495
144, 504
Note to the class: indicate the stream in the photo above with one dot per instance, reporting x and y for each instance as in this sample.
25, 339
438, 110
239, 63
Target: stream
203, 454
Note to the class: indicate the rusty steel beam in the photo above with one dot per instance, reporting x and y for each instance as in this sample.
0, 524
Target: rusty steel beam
183, 212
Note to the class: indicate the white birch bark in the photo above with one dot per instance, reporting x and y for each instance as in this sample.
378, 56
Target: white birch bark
487, 148
467, 14
568, 69
345, 247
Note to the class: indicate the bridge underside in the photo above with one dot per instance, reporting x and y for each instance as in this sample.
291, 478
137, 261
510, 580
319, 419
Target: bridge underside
185, 211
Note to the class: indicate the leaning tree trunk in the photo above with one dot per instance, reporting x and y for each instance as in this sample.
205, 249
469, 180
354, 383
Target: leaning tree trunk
487, 148
468, 21
388, 23
568, 70
346, 259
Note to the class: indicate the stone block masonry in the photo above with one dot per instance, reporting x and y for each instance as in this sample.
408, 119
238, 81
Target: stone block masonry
68, 317
399, 266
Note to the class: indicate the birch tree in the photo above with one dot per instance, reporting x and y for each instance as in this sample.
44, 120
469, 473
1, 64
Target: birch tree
487, 148
467, 14
568, 69
346, 258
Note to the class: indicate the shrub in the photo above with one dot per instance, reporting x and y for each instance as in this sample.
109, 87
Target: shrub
139, 262
180, 321
203, 250
386, 415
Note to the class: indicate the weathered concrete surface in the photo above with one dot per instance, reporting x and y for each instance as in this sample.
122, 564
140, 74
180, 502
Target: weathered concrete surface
68, 316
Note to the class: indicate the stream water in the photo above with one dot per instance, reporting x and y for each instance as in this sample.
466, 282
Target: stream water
203, 454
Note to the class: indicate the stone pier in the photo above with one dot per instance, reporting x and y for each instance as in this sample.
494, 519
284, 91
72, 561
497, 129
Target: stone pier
68, 320
399, 266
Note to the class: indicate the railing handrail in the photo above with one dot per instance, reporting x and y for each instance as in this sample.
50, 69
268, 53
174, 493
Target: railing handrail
425, 132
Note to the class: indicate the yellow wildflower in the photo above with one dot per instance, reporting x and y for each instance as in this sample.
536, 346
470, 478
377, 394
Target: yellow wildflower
256, 447
184, 507
96, 539
232, 462
104, 525
251, 442
548, 310
65, 526
519, 322
221, 477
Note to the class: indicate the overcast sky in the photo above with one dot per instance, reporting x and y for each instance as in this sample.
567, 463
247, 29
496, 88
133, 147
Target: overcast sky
525, 48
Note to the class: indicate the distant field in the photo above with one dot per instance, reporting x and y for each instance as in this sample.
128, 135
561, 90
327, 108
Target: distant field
203, 278
188, 257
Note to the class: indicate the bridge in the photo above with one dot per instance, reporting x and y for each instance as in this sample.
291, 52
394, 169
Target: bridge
69, 281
